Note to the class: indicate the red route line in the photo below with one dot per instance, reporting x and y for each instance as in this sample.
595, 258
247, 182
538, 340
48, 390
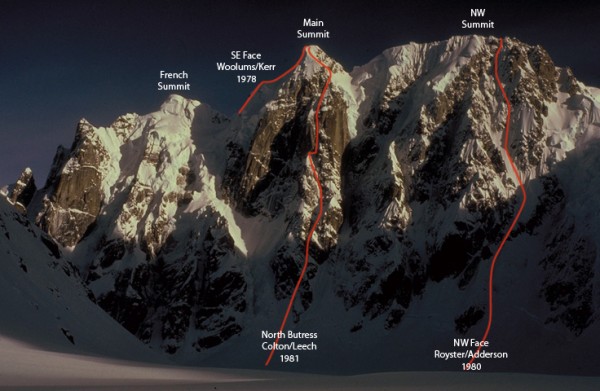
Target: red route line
512, 226
306, 49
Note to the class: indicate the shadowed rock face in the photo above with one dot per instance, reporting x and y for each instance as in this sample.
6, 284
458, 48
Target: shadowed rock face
281, 142
272, 177
260, 177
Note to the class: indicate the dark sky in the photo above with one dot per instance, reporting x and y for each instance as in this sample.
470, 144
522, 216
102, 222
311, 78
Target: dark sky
61, 61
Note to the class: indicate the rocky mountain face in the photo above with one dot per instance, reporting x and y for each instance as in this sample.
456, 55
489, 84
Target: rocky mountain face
135, 205
187, 226
23, 190
276, 180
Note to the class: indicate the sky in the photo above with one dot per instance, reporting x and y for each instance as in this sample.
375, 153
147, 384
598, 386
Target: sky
64, 60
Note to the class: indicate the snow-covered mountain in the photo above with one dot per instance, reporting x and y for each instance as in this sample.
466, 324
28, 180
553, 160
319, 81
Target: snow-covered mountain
188, 227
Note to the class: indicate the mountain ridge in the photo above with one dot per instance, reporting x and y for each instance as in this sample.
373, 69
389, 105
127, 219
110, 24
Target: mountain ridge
417, 195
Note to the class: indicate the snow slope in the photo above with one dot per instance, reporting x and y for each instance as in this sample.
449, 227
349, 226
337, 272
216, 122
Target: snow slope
69, 371
44, 304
